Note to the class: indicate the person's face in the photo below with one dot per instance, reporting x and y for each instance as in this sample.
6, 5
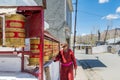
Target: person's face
65, 48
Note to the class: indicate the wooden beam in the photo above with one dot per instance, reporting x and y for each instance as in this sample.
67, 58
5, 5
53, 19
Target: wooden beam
44, 4
8, 6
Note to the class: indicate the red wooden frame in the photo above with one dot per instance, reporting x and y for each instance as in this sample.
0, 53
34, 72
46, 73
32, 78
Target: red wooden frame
35, 28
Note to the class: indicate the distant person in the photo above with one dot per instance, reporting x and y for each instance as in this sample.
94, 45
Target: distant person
67, 63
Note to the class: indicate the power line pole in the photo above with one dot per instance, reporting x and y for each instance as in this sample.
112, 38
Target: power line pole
75, 25
115, 35
106, 34
99, 35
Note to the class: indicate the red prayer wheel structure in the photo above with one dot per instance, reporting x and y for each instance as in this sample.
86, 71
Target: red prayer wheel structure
15, 28
51, 49
51, 46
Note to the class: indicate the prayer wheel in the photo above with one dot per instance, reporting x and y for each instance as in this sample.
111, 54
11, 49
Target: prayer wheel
55, 48
14, 30
47, 50
46, 58
34, 47
46, 47
34, 60
51, 49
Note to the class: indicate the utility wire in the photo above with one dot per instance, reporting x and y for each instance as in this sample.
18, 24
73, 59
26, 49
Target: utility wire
90, 13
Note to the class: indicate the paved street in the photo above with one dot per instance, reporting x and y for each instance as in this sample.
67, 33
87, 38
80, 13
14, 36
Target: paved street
103, 66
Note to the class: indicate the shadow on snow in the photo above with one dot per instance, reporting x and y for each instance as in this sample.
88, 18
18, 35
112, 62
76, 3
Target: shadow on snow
90, 63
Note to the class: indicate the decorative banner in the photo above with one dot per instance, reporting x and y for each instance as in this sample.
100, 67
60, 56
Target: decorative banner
14, 30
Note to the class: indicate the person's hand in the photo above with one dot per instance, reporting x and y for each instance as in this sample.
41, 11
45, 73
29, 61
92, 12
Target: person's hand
75, 72
75, 67
53, 58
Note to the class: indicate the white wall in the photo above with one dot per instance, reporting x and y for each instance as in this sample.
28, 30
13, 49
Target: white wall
54, 71
100, 49
58, 16
10, 63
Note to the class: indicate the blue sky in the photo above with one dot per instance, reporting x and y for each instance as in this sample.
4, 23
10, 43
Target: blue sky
96, 14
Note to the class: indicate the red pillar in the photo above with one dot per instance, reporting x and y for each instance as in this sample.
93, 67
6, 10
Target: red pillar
40, 77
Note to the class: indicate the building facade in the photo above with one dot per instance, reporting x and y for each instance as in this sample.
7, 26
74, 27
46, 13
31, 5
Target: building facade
59, 17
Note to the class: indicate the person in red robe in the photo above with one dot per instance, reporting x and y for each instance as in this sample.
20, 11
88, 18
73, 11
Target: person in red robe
67, 63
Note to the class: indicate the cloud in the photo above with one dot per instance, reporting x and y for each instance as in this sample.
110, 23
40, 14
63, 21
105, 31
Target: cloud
118, 10
83, 34
111, 17
103, 1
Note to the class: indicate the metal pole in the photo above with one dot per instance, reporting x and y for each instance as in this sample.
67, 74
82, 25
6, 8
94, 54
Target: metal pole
99, 35
75, 26
22, 62
106, 34
115, 35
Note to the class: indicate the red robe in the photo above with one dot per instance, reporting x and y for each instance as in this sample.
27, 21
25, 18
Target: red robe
68, 62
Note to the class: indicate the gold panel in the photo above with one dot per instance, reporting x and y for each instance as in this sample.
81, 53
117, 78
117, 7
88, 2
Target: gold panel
33, 61
35, 51
34, 47
15, 42
16, 24
15, 17
34, 41
21, 34
46, 58
14, 30
9, 34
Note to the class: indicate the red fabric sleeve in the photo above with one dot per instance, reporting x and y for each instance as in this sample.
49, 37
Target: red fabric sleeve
73, 59
58, 57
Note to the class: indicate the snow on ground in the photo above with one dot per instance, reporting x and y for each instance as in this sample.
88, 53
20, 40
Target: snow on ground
111, 61
16, 76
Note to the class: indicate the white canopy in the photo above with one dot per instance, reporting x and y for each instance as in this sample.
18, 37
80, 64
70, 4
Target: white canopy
20, 2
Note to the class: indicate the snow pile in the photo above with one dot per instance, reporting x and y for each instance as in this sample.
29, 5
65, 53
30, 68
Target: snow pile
16, 76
